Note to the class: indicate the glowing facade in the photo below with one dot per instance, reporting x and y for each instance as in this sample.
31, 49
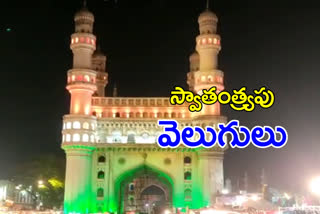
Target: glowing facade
110, 142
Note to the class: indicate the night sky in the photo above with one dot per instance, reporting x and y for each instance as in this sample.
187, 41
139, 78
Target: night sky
271, 43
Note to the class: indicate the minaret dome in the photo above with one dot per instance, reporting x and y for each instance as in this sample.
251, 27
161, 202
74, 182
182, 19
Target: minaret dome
194, 60
84, 21
208, 22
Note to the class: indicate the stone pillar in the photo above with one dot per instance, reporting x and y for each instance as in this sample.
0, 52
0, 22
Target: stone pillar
178, 186
77, 196
216, 175
204, 179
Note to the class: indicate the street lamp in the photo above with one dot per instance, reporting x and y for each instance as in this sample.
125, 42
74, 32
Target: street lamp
315, 186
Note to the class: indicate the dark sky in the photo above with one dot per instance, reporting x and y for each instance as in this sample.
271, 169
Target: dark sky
272, 43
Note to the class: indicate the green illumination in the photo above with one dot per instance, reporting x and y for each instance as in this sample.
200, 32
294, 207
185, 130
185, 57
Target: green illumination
130, 175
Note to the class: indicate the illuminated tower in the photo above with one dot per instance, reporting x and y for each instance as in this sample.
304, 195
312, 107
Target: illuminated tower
204, 72
79, 125
99, 65
113, 159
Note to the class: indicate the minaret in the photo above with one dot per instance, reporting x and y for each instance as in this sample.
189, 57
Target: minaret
79, 125
115, 91
99, 65
204, 71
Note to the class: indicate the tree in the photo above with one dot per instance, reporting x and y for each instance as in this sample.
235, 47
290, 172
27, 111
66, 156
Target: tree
45, 174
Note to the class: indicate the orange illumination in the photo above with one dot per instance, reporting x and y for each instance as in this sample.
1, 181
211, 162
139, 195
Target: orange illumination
214, 41
210, 40
88, 40
81, 39
93, 41
68, 79
72, 41
77, 40
204, 41
76, 108
218, 42
73, 78
87, 110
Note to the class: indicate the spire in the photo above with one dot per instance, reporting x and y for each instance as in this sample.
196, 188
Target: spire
207, 5
84, 3
115, 91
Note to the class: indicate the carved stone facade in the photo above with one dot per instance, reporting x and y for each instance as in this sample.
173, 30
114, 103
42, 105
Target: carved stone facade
113, 161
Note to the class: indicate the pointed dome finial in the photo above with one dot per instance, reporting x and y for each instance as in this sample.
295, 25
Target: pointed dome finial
115, 90
84, 3
207, 5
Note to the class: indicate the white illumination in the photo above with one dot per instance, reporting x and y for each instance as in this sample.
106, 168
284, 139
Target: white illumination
68, 137
85, 138
92, 138
68, 125
86, 125
225, 191
254, 198
76, 125
167, 212
315, 186
287, 196
76, 137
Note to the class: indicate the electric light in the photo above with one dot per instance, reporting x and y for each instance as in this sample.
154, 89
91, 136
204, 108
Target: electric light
254, 198
287, 196
225, 191
315, 186
167, 212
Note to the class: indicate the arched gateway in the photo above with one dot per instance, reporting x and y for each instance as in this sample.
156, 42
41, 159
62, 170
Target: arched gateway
144, 189
113, 163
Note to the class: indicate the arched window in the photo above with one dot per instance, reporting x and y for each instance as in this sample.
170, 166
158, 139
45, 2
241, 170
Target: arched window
187, 195
101, 159
187, 160
94, 113
187, 176
86, 125
131, 138
117, 114
131, 201
85, 138
131, 187
68, 125
92, 138
68, 137
203, 78
174, 115
100, 192
76, 125
101, 175
76, 137
86, 78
